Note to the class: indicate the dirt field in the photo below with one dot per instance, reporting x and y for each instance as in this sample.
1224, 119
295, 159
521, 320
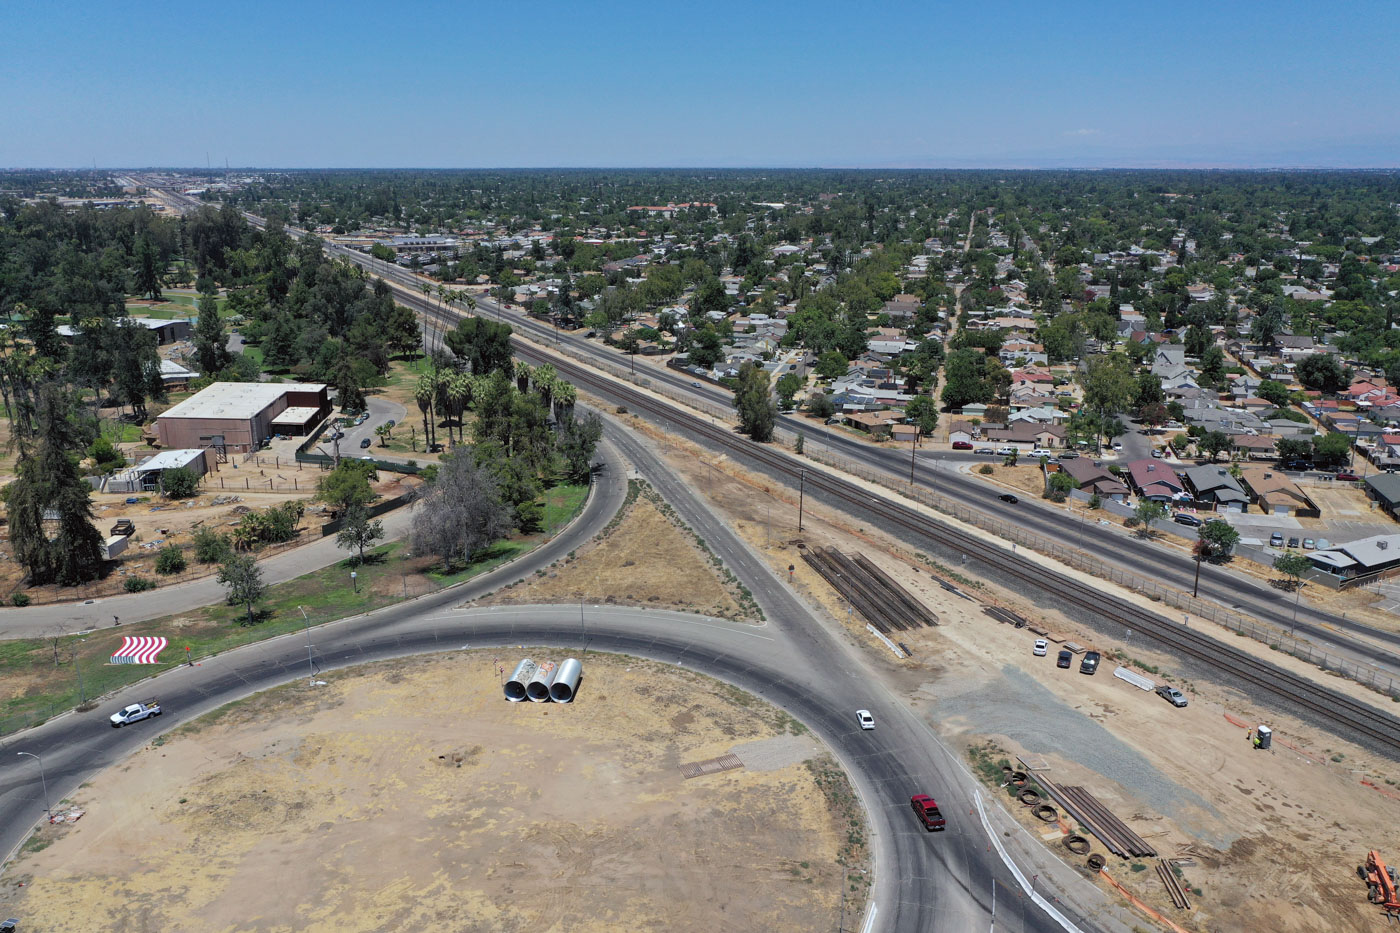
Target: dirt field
1275, 836
314, 809
162, 521
643, 560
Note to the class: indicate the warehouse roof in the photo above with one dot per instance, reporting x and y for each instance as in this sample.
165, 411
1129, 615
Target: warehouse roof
237, 399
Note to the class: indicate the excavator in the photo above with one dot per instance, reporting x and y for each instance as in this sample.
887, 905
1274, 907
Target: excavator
1381, 882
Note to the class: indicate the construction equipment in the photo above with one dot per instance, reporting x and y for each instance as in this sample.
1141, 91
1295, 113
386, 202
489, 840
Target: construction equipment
1381, 882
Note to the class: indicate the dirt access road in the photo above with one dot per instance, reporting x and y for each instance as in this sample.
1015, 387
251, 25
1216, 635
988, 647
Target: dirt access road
458, 810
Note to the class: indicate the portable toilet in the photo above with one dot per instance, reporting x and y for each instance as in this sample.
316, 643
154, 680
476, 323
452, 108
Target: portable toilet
1264, 738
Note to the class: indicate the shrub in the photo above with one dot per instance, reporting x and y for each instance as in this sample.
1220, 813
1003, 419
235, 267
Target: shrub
986, 469
210, 547
180, 483
1057, 496
170, 560
1131, 522
19, 599
138, 584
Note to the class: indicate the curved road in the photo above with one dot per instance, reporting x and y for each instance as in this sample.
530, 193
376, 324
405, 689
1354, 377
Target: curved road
923, 881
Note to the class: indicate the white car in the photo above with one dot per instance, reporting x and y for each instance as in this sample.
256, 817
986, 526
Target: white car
1006, 451
1041, 646
1042, 452
866, 720
1117, 445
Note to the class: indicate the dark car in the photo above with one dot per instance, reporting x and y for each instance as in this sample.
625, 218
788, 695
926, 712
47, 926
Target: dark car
1183, 518
1065, 659
1008, 497
985, 451
1298, 465
364, 442
962, 445
1293, 542
1090, 663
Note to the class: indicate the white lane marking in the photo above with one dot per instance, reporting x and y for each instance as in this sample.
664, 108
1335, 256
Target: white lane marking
1041, 902
870, 918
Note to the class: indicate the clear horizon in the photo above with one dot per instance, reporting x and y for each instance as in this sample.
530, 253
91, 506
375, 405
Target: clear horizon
763, 86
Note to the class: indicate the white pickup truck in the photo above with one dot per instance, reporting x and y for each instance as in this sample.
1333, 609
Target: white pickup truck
135, 713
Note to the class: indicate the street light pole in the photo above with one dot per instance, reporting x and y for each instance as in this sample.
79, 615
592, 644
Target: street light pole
310, 665
43, 782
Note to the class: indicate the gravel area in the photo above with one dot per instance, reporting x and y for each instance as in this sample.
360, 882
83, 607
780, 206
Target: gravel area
776, 753
1018, 707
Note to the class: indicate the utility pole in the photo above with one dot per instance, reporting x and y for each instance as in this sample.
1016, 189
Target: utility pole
801, 492
310, 665
1200, 552
913, 444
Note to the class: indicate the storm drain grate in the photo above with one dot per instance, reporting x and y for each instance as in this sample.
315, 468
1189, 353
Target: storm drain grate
697, 769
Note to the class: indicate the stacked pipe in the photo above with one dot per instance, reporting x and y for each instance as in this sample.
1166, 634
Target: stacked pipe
1175, 889
884, 603
543, 682
1094, 816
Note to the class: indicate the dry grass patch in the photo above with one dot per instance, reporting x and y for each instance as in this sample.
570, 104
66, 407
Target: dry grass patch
646, 557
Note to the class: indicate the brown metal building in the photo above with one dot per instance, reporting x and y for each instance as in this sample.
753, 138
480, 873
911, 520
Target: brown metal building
238, 416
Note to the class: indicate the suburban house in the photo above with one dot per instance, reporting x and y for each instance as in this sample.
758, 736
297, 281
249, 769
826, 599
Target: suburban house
1276, 494
1155, 480
1254, 446
1213, 486
1027, 432
1368, 557
961, 431
1384, 489
1094, 479
874, 423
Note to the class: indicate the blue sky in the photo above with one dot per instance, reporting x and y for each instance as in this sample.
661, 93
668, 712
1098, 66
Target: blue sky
466, 84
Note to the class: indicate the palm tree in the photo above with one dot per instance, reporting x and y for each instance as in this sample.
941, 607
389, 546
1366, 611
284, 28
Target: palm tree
523, 372
546, 382
565, 396
459, 394
423, 394
427, 290
441, 401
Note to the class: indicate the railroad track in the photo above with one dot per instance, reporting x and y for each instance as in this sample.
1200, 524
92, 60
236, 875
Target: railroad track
1374, 727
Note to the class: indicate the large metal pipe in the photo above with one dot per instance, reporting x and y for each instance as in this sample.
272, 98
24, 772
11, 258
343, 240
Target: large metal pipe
515, 687
566, 680
537, 689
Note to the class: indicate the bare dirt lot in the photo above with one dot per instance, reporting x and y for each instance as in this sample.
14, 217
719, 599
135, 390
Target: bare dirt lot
644, 559
1275, 837
410, 796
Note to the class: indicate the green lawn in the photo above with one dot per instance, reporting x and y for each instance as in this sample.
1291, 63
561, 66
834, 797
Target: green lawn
43, 689
254, 353
120, 432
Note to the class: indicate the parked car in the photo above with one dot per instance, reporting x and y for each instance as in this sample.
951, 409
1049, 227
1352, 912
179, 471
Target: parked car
1006, 451
1309, 544
962, 445
1041, 646
1185, 518
833, 421
1172, 695
1008, 497
985, 451
1345, 477
1323, 544
364, 442
1070, 455
1042, 452
1298, 465
866, 720
1156, 453
1117, 445
1276, 540
1065, 659
1090, 662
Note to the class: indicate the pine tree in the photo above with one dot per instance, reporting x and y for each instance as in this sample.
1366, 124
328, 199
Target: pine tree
67, 548
210, 341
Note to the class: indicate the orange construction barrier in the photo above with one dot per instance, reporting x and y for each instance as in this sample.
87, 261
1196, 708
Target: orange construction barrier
1139, 904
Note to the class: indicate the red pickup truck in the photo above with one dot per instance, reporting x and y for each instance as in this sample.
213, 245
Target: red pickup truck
926, 809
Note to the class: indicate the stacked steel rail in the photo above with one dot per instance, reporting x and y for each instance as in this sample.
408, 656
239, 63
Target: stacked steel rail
1175, 889
884, 603
1095, 817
